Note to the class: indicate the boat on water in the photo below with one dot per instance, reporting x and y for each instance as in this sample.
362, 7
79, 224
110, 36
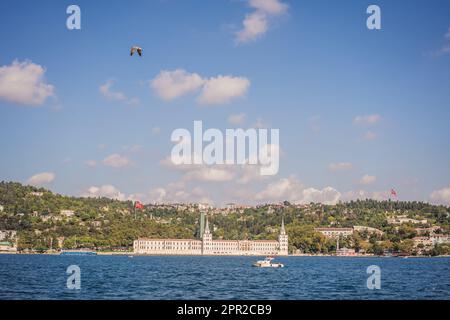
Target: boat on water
78, 253
267, 263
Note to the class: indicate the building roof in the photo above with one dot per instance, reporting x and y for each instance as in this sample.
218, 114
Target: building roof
159, 239
333, 229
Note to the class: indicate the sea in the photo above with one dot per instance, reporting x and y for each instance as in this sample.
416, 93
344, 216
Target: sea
39, 277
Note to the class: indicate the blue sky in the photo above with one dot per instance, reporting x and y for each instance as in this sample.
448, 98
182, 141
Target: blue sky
313, 71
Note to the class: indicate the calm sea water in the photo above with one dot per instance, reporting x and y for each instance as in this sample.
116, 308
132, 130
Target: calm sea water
117, 277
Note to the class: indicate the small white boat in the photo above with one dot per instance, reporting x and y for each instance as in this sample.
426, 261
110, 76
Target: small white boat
267, 263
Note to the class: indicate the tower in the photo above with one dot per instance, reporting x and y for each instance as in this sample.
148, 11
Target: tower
206, 239
202, 223
283, 241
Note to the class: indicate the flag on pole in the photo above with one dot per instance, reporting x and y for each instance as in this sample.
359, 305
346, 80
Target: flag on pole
393, 193
138, 205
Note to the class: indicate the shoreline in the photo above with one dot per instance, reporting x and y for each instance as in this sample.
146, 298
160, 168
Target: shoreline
114, 253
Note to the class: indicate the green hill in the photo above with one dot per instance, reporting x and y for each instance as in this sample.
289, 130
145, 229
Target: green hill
46, 220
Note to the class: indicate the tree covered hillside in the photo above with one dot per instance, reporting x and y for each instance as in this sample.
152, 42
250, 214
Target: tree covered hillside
45, 220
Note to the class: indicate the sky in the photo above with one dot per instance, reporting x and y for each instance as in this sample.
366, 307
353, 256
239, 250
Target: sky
359, 111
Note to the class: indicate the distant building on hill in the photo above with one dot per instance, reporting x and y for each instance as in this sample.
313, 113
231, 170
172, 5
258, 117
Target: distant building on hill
67, 213
335, 232
36, 194
404, 219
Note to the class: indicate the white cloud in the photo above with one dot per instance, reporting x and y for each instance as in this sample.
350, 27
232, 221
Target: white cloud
362, 194
256, 24
106, 90
223, 89
23, 83
269, 6
327, 195
341, 166
445, 49
209, 173
200, 172
237, 119
107, 191
158, 194
292, 190
41, 178
283, 189
170, 85
367, 120
116, 161
250, 173
367, 179
177, 192
441, 196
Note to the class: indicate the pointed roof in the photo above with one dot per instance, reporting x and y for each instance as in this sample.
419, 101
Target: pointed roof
207, 226
282, 231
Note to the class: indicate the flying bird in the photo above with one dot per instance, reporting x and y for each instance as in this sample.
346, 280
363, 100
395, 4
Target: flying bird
136, 49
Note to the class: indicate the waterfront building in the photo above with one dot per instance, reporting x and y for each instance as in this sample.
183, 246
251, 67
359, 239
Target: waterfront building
6, 246
207, 246
345, 252
6, 235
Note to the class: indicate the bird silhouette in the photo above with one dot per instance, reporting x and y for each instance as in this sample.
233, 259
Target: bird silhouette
136, 49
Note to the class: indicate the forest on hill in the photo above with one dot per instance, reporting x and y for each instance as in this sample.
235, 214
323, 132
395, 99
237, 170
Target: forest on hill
44, 220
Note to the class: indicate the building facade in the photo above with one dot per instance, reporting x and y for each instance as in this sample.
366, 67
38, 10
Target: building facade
208, 246
335, 232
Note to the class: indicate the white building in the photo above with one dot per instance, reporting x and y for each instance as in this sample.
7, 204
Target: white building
208, 246
2, 208
8, 240
67, 213
8, 234
404, 219
440, 239
335, 232
36, 194
7, 246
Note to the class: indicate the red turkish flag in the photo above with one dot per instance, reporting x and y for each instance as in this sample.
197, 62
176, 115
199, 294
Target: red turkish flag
138, 205
393, 192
